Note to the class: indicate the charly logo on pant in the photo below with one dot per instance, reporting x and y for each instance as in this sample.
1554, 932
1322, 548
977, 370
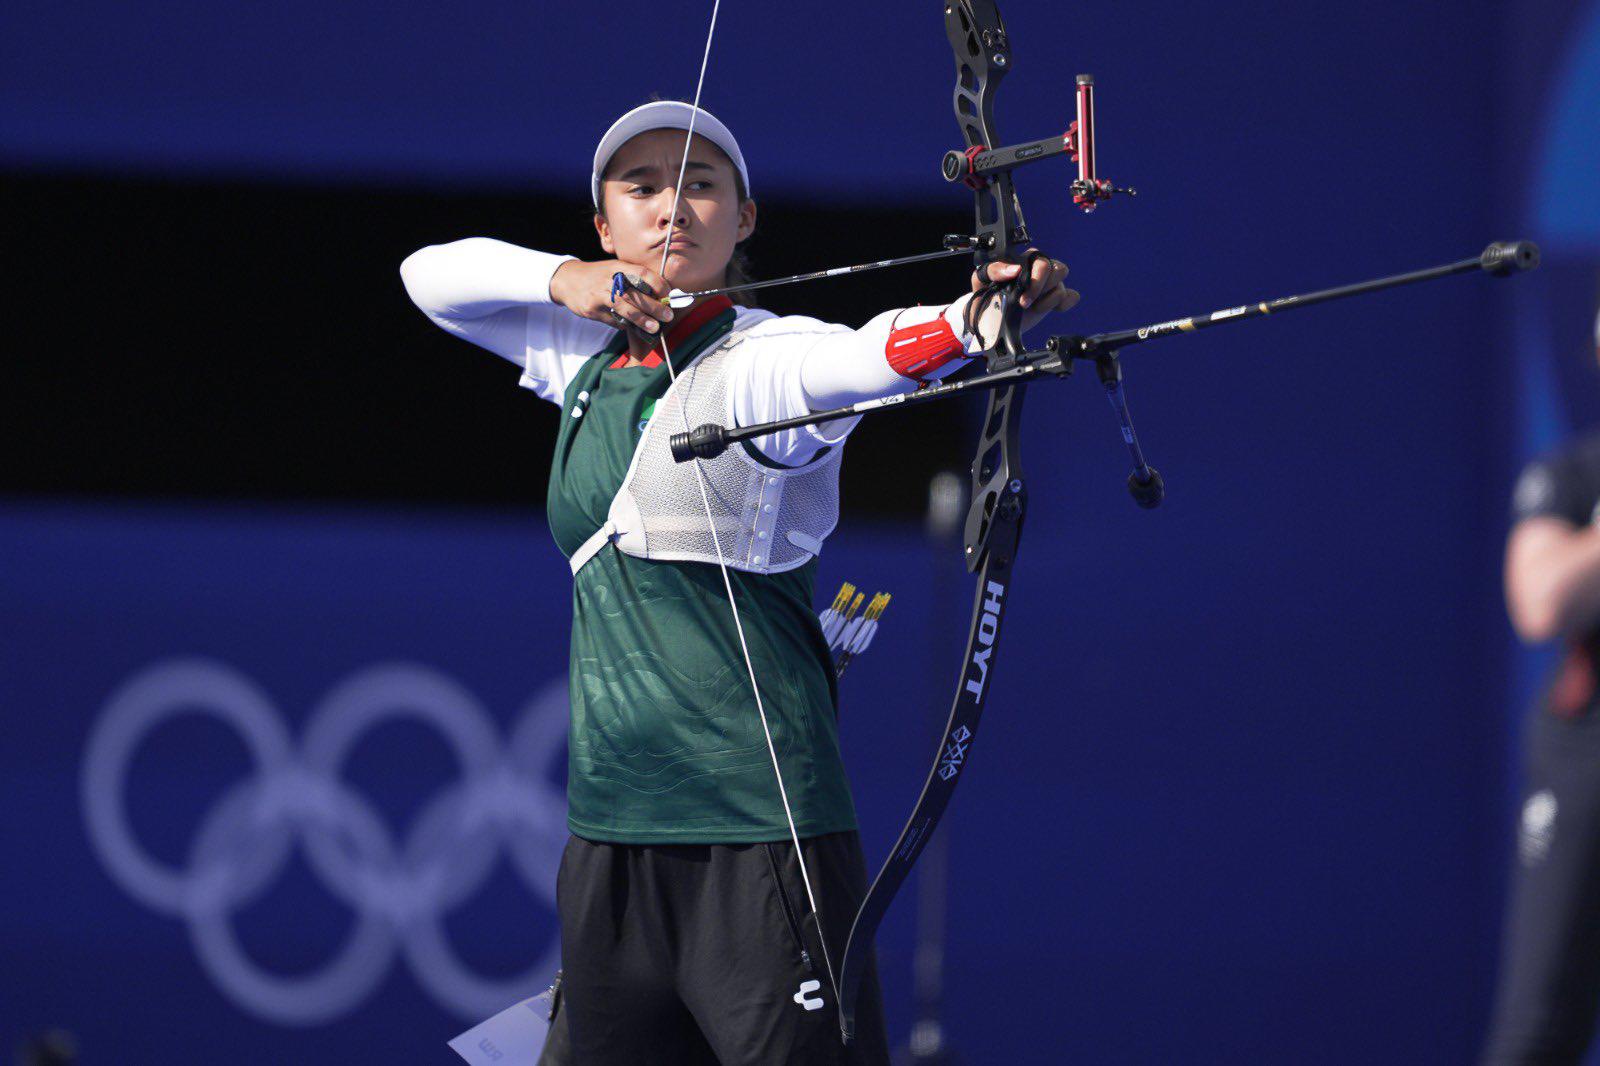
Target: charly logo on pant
400, 891
804, 997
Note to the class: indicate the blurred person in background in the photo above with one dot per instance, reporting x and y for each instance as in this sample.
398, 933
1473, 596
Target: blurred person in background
689, 891
1550, 964
54, 1047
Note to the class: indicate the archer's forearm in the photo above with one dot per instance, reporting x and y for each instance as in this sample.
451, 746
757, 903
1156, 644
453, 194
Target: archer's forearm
477, 276
846, 368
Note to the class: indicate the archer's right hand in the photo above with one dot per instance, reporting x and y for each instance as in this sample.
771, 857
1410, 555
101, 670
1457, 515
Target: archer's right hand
585, 289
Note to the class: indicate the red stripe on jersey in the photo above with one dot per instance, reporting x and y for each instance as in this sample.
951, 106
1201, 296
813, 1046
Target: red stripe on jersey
679, 331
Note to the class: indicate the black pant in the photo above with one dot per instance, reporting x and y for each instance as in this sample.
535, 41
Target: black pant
1550, 968
707, 953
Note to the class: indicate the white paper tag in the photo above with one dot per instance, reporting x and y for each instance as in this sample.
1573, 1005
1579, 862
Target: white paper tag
515, 1035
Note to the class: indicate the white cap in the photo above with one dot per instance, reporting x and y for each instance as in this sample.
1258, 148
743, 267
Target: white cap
665, 115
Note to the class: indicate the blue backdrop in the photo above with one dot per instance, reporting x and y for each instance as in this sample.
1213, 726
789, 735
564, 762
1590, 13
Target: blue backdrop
1241, 795
1175, 822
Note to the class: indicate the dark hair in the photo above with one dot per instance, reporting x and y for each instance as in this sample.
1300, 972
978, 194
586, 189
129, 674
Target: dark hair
739, 270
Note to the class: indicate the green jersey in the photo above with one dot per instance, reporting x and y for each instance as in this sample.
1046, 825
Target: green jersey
666, 742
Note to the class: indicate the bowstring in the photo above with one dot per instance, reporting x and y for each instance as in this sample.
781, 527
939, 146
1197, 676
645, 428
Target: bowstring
716, 541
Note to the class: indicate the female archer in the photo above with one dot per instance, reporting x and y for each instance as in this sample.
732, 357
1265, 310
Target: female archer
714, 866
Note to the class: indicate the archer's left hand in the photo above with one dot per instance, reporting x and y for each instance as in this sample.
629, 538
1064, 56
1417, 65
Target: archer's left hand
1045, 292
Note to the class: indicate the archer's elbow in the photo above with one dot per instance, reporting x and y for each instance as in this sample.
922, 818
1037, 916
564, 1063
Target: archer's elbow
425, 273
415, 269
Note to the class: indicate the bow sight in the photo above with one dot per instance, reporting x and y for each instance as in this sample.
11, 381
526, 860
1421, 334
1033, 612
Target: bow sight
974, 166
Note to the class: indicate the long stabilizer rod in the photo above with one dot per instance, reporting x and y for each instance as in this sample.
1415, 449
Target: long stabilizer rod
1499, 259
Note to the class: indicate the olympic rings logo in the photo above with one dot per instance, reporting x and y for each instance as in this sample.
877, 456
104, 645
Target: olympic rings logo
400, 891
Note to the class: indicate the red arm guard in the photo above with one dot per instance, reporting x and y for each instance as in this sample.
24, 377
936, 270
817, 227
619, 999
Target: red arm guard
916, 351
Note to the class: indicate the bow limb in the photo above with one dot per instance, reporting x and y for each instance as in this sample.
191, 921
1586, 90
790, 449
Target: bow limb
994, 522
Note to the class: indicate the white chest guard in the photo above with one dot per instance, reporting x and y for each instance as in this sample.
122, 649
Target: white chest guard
767, 519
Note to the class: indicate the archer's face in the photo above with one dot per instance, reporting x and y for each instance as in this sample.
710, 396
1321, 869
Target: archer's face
637, 191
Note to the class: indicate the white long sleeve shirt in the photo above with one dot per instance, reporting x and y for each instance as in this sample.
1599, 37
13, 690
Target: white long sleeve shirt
497, 295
